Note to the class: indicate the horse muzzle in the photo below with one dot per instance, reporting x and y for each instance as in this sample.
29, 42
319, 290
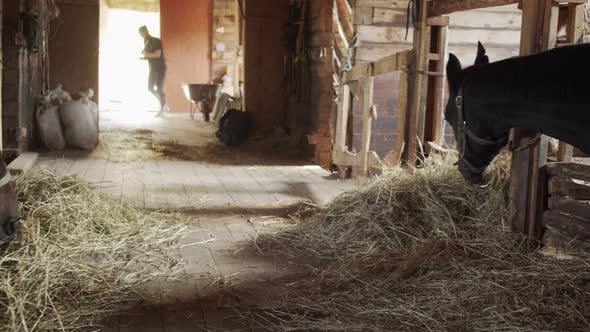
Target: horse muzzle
9, 229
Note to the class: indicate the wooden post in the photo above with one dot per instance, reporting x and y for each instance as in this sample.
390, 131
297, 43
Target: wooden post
539, 29
368, 86
342, 119
523, 162
418, 85
436, 80
575, 31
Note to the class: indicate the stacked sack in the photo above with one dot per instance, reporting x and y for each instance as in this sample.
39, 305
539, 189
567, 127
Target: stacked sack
63, 122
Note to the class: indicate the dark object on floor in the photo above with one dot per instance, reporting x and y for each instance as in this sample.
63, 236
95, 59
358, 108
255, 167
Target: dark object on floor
201, 98
234, 127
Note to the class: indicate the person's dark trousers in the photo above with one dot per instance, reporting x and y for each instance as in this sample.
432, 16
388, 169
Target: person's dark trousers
156, 84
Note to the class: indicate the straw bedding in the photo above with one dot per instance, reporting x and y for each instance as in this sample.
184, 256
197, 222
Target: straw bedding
79, 256
424, 251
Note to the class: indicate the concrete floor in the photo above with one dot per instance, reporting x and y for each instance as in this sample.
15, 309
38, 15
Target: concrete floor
231, 195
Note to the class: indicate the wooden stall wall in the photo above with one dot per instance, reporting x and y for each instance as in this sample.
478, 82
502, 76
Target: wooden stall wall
381, 27
265, 47
186, 36
73, 47
226, 52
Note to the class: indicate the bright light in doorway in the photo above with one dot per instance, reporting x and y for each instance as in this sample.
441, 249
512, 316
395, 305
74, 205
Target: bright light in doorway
123, 77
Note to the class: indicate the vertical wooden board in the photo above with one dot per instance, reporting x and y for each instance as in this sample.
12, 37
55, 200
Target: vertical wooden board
565, 152
418, 89
368, 86
395, 156
342, 118
439, 88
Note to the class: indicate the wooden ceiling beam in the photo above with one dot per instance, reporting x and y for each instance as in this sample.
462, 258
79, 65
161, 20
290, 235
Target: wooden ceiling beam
442, 7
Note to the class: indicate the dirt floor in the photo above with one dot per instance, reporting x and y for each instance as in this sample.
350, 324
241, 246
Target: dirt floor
228, 195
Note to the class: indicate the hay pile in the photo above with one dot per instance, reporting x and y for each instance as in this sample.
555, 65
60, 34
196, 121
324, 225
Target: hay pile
79, 257
425, 252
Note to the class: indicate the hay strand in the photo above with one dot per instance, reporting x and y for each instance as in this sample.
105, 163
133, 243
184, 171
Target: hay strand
80, 256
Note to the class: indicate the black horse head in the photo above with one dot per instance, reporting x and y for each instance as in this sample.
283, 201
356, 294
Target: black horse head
8, 204
478, 140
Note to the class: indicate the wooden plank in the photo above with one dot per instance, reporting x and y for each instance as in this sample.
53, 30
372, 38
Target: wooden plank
368, 87
23, 163
392, 4
363, 15
526, 163
568, 188
342, 119
567, 224
550, 27
568, 206
418, 88
402, 123
442, 7
555, 237
439, 87
394, 62
569, 170
565, 152
575, 27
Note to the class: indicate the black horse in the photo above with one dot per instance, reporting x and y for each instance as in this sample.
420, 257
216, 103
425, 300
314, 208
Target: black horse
548, 92
8, 204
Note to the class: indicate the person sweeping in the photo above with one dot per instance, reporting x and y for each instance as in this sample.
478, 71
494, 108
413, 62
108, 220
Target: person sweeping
153, 52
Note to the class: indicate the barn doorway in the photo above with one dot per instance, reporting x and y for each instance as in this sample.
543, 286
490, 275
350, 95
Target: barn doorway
123, 76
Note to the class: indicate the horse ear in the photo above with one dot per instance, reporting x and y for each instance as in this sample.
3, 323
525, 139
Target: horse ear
453, 71
482, 58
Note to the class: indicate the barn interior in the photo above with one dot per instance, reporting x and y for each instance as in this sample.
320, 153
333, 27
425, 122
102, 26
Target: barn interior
301, 178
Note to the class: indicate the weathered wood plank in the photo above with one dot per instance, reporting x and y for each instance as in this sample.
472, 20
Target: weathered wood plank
569, 206
442, 7
342, 119
418, 88
23, 163
567, 224
568, 188
368, 89
554, 237
392, 4
394, 62
569, 170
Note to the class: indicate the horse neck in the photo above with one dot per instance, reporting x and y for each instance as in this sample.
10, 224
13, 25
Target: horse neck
554, 106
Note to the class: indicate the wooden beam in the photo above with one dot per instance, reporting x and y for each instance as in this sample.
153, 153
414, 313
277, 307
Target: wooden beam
557, 238
567, 224
442, 7
23, 163
395, 62
569, 188
526, 164
368, 87
569, 170
418, 86
568, 206
342, 119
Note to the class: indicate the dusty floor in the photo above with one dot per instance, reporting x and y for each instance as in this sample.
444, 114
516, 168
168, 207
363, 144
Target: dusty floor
230, 195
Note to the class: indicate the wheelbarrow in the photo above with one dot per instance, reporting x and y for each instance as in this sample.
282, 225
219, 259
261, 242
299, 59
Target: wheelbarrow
201, 98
